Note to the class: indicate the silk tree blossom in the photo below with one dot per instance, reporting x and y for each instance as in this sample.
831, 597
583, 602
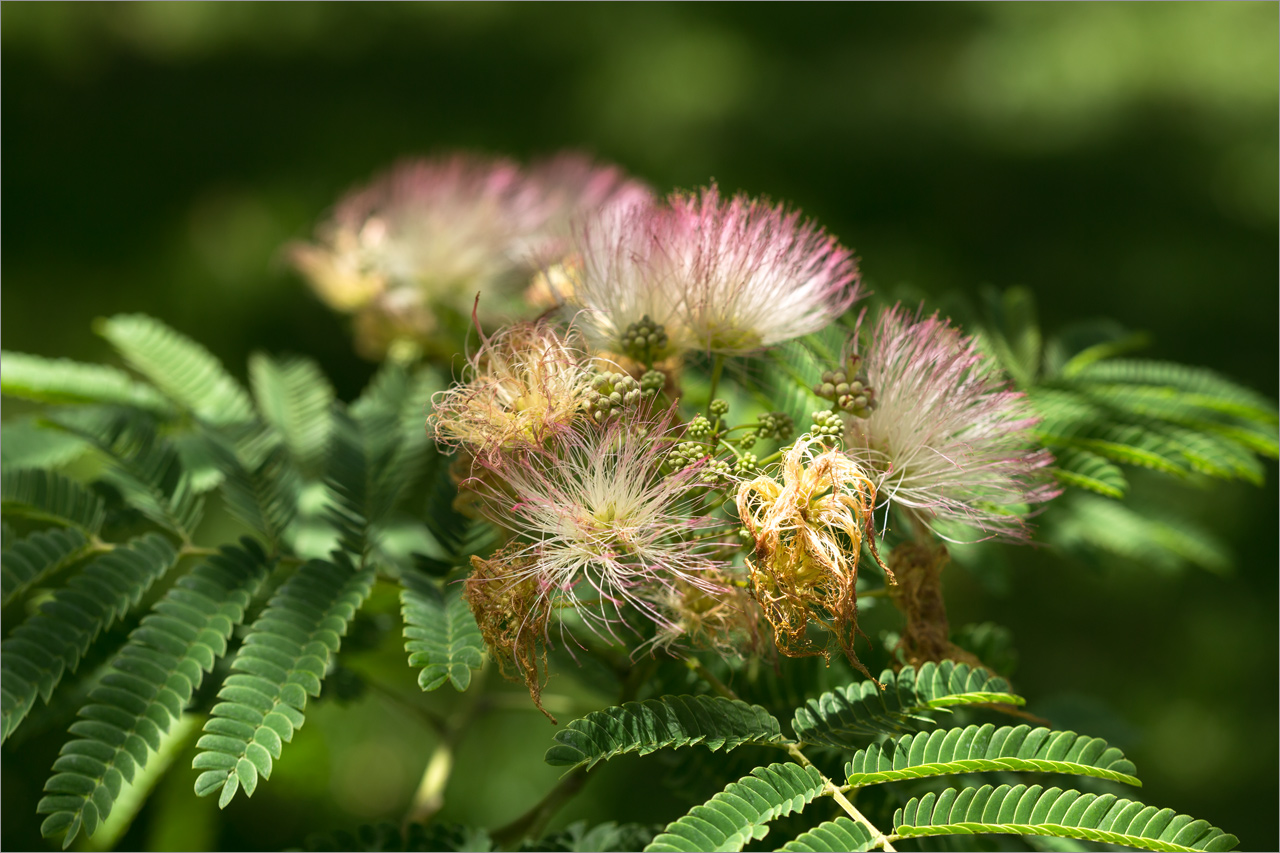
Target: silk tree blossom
620, 279
429, 235
524, 384
808, 532
948, 440
725, 276
598, 527
751, 274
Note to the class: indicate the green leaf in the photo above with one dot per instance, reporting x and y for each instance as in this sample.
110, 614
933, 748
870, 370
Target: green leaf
1146, 538
742, 811
148, 472
1022, 810
670, 721
1087, 470
44, 552
284, 656
181, 368
52, 641
834, 836
841, 717
150, 682
31, 443
295, 398
440, 631
976, 749
1198, 385
60, 380
262, 491
49, 496
1013, 332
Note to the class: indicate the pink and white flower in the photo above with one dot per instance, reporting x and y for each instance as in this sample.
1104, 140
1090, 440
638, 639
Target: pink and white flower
948, 439
599, 526
752, 274
724, 276
431, 234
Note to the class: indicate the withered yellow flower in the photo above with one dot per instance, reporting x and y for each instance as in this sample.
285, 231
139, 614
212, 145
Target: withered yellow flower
809, 531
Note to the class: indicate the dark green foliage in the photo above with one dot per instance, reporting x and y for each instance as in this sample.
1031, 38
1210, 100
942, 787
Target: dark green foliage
63, 381
605, 837
844, 716
834, 836
283, 660
44, 552
441, 634
295, 399
50, 496
986, 748
149, 684
1033, 810
389, 837
742, 811
260, 488
185, 371
51, 642
671, 721
147, 470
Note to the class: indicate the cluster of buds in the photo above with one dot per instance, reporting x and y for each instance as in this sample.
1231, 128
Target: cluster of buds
610, 393
827, 427
848, 389
644, 340
776, 426
685, 454
747, 463
699, 428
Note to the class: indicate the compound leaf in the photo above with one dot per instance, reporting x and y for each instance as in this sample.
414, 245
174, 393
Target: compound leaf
670, 721
984, 748
183, 369
285, 655
1022, 810
52, 641
440, 632
742, 810
146, 688
842, 716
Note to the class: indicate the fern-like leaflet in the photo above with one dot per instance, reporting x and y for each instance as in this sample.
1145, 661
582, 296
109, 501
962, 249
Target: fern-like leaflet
283, 659
148, 685
42, 649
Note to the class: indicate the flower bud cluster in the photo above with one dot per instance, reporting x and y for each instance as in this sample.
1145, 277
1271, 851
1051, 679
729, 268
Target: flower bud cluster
686, 453
610, 393
747, 463
644, 340
716, 473
653, 381
699, 428
775, 425
827, 427
848, 390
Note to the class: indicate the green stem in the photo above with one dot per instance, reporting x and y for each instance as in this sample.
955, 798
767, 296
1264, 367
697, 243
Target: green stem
429, 797
879, 839
716, 369
534, 822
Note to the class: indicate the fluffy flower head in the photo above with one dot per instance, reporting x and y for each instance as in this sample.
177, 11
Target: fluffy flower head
808, 532
525, 383
725, 276
752, 274
600, 526
431, 234
948, 439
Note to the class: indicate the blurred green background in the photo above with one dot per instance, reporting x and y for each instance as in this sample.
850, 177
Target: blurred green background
1118, 159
